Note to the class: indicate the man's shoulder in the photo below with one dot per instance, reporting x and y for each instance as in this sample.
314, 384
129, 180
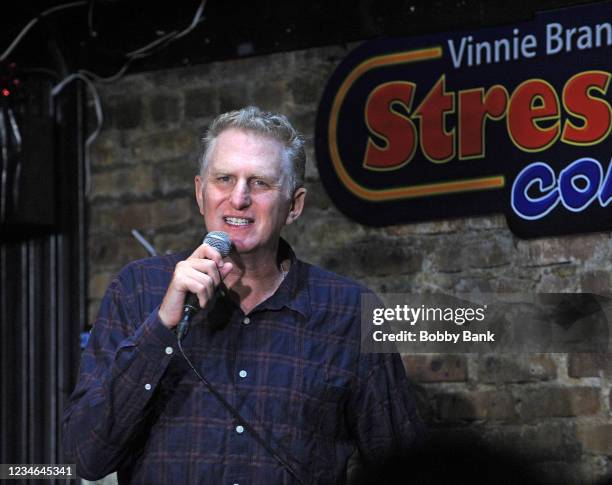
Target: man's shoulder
324, 283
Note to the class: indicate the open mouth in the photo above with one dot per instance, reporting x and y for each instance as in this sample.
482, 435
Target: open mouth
237, 221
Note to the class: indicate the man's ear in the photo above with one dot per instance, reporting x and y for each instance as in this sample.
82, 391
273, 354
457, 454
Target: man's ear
297, 205
199, 185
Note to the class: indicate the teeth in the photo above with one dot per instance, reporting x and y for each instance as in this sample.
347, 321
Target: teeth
236, 221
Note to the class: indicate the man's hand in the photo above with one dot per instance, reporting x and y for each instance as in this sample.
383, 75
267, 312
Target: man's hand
199, 274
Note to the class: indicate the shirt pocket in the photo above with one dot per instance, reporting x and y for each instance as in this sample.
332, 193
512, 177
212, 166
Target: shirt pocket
322, 401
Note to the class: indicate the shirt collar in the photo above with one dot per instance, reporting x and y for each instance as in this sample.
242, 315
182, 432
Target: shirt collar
293, 291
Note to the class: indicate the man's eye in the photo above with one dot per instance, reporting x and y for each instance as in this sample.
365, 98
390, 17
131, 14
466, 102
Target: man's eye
259, 183
223, 178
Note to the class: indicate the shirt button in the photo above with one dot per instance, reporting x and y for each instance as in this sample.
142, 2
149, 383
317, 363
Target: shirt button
169, 350
239, 429
246, 320
148, 387
242, 373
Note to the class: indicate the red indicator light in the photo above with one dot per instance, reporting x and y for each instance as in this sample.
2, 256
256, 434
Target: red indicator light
5, 92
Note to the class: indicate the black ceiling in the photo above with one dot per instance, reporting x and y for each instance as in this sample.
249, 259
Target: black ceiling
96, 34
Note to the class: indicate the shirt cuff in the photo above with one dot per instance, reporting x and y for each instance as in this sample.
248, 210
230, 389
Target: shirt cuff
153, 339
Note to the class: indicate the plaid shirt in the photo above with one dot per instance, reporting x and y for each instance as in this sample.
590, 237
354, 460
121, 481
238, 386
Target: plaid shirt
291, 367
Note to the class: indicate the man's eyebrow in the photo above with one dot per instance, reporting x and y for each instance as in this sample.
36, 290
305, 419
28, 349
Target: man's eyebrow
267, 176
215, 172
271, 176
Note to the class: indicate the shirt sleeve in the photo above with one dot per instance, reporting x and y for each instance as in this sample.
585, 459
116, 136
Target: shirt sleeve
382, 409
123, 363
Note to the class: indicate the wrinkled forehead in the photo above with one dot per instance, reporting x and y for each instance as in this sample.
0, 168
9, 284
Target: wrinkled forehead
237, 150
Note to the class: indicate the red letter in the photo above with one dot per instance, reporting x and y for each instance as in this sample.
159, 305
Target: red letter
474, 109
437, 144
594, 112
396, 129
531, 102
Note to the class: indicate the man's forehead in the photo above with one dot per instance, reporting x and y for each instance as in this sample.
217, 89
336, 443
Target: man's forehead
232, 136
237, 149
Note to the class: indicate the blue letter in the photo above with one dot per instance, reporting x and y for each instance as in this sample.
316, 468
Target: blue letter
605, 194
534, 207
573, 197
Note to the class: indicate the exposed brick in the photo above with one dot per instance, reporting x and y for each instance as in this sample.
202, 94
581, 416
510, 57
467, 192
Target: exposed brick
547, 251
559, 402
174, 242
176, 177
470, 406
445, 259
365, 257
269, 95
145, 216
165, 109
317, 198
304, 122
103, 217
487, 252
98, 284
596, 282
123, 112
589, 365
431, 228
469, 284
105, 151
312, 172
135, 216
383, 284
111, 252
507, 368
232, 96
165, 145
201, 102
317, 225
560, 279
503, 284
487, 222
93, 306
306, 87
133, 182
596, 438
544, 441
436, 368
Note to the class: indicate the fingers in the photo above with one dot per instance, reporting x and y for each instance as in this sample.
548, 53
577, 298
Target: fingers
204, 266
199, 274
200, 284
204, 251
226, 269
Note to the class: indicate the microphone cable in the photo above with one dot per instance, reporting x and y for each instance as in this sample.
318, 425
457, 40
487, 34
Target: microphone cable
236, 415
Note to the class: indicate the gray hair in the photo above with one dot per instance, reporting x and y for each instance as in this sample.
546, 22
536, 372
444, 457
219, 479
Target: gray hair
276, 126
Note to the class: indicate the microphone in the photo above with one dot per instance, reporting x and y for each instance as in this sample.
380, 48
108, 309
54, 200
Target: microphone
220, 241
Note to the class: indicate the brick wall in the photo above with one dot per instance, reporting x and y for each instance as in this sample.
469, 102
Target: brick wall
555, 408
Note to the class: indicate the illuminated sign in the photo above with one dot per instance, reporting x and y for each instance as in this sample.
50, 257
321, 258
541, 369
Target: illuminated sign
514, 119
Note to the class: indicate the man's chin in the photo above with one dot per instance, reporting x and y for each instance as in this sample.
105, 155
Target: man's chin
241, 246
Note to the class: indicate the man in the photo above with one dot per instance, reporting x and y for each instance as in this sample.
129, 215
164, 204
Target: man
281, 345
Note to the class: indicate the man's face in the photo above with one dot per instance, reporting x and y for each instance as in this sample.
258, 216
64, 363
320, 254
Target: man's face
244, 191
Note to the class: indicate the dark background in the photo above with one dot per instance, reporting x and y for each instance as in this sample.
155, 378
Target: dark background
97, 34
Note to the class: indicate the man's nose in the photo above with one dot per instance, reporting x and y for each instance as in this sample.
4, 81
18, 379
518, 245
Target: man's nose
241, 195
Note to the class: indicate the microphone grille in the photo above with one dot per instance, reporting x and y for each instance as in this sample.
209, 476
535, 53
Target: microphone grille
220, 241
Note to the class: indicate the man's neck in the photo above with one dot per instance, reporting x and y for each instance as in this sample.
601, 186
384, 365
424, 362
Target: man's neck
254, 279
